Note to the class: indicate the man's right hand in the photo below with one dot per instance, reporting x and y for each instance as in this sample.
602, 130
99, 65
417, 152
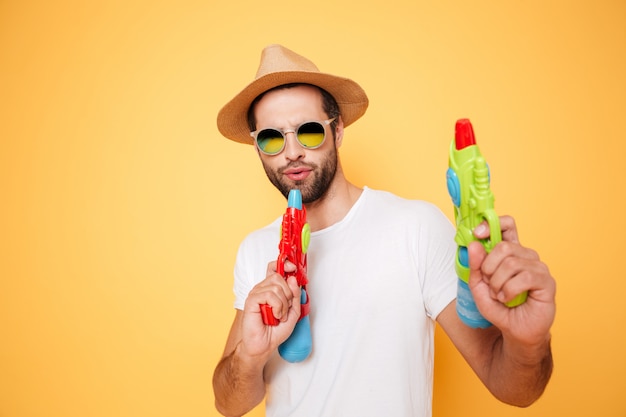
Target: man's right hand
259, 339
238, 378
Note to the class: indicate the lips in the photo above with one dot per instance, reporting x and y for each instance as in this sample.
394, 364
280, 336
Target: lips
297, 173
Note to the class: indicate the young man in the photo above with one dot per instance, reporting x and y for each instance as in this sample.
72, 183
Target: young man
381, 271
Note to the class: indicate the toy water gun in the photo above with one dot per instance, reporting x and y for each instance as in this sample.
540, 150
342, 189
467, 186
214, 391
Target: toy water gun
294, 243
468, 180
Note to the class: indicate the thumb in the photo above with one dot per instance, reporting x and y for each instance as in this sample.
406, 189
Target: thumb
296, 291
477, 255
477, 281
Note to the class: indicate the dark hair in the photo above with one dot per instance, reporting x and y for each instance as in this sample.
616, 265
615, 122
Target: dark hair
329, 105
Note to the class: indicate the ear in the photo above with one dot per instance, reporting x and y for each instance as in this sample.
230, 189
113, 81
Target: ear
339, 132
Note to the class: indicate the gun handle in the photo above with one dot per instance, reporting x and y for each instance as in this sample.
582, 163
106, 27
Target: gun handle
266, 310
465, 306
267, 314
299, 344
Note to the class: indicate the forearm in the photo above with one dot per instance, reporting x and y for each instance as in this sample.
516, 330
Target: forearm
237, 384
519, 375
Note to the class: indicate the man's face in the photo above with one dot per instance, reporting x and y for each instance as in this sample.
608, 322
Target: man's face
309, 170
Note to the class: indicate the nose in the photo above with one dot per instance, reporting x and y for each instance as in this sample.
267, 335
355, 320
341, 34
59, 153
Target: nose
293, 149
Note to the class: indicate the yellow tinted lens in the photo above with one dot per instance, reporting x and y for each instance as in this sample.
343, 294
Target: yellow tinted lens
270, 141
311, 135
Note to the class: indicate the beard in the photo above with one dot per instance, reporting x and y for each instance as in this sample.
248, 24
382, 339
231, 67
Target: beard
315, 186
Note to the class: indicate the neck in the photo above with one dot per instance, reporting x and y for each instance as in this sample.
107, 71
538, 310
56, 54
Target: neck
334, 205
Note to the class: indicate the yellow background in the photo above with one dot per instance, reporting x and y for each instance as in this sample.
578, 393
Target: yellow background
121, 206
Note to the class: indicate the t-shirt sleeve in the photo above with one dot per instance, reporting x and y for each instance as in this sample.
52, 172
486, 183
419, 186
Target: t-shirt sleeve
254, 253
243, 272
439, 250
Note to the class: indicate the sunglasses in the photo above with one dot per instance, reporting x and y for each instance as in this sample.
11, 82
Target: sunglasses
310, 135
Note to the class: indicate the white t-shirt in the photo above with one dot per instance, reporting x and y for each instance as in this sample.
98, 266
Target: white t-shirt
377, 281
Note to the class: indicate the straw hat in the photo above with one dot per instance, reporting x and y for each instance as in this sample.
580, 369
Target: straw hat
279, 66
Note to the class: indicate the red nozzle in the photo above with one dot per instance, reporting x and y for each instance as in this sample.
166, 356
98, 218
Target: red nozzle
464, 134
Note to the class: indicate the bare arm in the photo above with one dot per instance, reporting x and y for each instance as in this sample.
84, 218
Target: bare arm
238, 378
516, 375
513, 357
238, 381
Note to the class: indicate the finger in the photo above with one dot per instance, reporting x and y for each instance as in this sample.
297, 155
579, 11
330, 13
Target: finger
287, 300
509, 229
482, 230
514, 286
296, 292
290, 266
512, 278
518, 275
506, 251
477, 256
292, 283
479, 282
275, 292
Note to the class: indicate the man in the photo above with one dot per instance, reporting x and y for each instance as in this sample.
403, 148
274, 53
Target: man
380, 273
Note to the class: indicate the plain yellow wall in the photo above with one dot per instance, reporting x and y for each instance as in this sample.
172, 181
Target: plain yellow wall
121, 206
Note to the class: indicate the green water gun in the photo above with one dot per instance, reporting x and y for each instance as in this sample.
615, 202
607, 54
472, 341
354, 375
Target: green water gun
468, 179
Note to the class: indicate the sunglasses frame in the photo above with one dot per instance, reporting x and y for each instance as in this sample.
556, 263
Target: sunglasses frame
323, 123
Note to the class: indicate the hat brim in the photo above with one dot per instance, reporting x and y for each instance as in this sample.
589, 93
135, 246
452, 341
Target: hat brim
232, 119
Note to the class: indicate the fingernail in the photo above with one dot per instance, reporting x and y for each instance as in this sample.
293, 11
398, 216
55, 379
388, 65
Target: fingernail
480, 229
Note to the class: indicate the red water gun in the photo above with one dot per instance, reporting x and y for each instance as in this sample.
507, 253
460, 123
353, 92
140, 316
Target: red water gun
293, 247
